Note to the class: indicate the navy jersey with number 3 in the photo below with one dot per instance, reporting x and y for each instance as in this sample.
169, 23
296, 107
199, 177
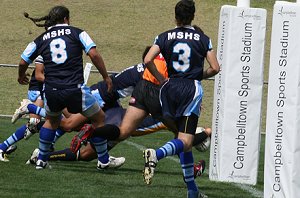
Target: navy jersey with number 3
184, 50
61, 47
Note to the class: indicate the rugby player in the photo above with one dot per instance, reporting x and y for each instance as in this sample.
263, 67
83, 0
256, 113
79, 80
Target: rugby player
61, 47
176, 102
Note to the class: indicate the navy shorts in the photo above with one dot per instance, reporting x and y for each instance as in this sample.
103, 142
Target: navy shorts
181, 101
145, 96
75, 99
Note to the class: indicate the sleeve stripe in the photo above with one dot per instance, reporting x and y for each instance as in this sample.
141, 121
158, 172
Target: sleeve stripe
26, 59
30, 49
86, 41
210, 45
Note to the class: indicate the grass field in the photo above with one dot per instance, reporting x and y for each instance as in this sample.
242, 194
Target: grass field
121, 30
81, 179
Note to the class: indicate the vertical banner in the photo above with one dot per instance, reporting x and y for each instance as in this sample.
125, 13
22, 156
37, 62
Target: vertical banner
282, 150
234, 152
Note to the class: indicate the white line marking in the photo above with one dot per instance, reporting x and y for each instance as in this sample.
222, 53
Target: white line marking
248, 188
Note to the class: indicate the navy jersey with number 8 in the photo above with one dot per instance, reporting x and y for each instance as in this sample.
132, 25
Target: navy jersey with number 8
61, 47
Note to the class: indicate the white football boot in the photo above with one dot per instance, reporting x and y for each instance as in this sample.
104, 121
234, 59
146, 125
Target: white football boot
34, 157
3, 156
113, 162
22, 110
31, 128
40, 165
150, 165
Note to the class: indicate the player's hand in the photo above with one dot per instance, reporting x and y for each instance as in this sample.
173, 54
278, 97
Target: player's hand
24, 79
109, 84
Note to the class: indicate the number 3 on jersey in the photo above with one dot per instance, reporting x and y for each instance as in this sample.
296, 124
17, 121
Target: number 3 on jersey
184, 54
58, 51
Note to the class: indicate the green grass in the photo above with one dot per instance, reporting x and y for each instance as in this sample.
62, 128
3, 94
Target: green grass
81, 179
121, 30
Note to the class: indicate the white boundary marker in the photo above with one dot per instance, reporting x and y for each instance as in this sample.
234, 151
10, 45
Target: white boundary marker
248, 188
243, 3
282, 149
239, 85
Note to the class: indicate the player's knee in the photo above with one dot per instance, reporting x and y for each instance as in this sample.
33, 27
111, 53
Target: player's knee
124, 134
122, 137
187, 142
68, 125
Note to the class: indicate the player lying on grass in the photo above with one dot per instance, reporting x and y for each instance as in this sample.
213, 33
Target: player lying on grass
77, 152
123, 83
35, 97
114, 116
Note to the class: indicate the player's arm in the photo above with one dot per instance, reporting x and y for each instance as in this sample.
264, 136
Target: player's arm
214, 66
23, 77
99, 64
149, 62
27, 56
211, 58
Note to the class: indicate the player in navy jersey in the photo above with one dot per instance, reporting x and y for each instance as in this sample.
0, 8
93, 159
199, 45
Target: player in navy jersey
177, 101
184, 49
123, 84
61, 47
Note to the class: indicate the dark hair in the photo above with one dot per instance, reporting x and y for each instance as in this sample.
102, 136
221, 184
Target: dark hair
197, 28
146, 52
184, 12
56, 15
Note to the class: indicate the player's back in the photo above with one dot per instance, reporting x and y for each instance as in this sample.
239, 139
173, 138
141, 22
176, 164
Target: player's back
184, 50
61, 47
123, 84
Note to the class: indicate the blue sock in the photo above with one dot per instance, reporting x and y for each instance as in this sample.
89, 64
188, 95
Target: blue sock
58, 134
17, 136
187, 165
46, 139
101, 149
32, 108
172, 147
